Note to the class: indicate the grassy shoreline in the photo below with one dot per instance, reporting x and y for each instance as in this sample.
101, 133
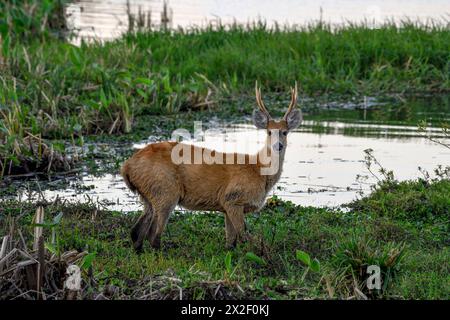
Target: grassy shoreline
194, 263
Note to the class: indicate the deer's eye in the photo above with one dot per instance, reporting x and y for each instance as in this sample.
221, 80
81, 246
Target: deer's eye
285, 133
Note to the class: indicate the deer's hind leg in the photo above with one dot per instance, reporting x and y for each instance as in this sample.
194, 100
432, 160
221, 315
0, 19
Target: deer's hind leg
160, 194
142, 227
162, 210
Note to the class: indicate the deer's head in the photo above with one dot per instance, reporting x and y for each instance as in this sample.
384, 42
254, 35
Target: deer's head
277, 130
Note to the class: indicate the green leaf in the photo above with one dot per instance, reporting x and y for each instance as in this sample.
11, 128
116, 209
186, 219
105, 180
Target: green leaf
57, 146
145, 81
228, 262
142, 93
54, 223
77, 127
5, 45
303, 257
254, 258
51, 248
315, 265
87, 260
103, 99
57, 219
43, 225
75, 56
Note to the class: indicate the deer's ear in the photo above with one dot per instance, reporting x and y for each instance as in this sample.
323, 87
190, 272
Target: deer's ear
294, 118
259, 119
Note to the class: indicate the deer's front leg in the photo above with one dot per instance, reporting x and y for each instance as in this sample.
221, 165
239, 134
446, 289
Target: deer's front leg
234, 224
229, 232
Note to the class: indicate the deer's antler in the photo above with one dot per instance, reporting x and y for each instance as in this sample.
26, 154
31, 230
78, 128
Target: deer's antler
293, 101
259, 101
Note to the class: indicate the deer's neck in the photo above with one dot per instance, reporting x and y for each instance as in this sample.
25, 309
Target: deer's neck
272, 165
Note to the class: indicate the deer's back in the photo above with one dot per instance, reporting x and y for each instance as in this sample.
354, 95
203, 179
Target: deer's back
200, 186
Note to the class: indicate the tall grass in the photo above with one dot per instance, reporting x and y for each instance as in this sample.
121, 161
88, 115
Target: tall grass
352, 59
31, 19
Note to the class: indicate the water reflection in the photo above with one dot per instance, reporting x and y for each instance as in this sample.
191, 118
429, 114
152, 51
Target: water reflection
319, 170
408, 110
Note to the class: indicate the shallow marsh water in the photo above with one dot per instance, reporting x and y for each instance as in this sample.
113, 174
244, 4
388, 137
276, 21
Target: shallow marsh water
323, 158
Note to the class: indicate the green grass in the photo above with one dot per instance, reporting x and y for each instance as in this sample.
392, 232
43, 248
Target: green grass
88, 88
413, 258
24, 20
415, 201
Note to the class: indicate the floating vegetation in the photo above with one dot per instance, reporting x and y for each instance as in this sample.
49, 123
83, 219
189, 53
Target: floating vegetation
32, 156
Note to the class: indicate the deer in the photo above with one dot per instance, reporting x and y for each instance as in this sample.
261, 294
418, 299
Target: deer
234, 189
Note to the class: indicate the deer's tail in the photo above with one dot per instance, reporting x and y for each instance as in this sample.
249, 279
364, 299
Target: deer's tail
124, 172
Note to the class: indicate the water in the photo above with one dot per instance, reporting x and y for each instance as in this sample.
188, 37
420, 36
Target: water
108, 19
323, 158
320, 168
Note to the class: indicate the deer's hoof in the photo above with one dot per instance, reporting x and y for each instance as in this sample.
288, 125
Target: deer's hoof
231, 244
138, 247
134, 235
156, 243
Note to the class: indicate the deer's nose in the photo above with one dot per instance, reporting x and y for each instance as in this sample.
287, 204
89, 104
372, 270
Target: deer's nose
278, 146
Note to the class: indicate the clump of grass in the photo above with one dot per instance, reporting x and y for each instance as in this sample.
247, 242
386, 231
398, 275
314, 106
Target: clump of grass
354, 256
32, 156
31, 19
417, 201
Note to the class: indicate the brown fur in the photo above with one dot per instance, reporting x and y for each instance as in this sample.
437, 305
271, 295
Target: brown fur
233, 189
